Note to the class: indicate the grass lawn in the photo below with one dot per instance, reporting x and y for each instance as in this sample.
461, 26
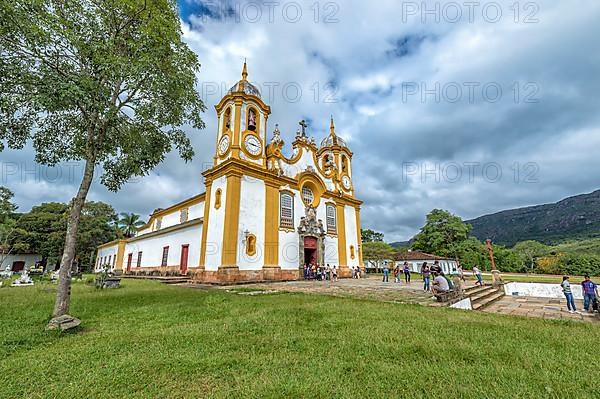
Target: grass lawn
148, 340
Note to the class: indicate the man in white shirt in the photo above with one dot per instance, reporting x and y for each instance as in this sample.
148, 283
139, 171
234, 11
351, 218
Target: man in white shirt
440, 284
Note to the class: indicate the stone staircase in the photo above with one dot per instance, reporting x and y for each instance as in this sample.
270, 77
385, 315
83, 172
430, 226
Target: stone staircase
484, 296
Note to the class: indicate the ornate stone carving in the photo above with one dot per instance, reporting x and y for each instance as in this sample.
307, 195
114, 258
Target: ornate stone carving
313, 227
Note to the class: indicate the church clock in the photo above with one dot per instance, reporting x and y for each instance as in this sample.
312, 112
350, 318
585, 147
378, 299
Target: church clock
346, 182
253, 145
223, 145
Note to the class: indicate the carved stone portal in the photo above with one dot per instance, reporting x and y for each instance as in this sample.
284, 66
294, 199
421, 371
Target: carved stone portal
312, 239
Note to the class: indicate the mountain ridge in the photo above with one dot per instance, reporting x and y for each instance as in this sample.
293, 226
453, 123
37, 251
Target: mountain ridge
574, 217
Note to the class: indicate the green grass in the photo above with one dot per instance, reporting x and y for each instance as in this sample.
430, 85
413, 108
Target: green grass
148, 340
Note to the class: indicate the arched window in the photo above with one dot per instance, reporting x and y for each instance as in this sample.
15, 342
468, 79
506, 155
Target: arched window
251, 245
330, 218
307, 195
227, 119
252, 121
286, 212
352, 251
218, 198
344, 163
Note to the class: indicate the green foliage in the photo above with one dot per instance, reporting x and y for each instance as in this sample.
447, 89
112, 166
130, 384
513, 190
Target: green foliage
109, 82
440, 233
129, 223
377, 251
368, 235
43, 230
6, 205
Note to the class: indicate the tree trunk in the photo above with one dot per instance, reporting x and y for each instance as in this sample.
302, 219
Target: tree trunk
63, 294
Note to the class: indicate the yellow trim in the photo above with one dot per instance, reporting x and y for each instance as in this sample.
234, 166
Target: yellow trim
341, 228
224, 155
271, 247
235, 145
314, 182
358, 235
251, 245
247, 133
205, 226
251, 169
187, 203
218, 194
231, 223
166, 230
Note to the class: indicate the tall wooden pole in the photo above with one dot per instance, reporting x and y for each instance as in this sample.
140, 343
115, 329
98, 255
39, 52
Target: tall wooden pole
489, 246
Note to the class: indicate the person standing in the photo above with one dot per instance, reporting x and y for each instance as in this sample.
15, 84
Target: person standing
461, 273
566, 287
386, 272
590, 294
397, 274
477, 274
334, 273
426, 273
406, 270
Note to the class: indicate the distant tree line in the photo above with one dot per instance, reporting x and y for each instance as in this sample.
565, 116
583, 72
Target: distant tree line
447, 235
42, 230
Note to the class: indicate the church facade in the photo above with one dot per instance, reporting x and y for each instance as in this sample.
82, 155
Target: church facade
263, 215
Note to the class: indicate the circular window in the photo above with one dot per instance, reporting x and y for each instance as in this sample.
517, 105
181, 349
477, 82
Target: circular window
307, 195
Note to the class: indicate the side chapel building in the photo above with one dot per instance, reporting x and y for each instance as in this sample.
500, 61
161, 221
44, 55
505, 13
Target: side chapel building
263, 215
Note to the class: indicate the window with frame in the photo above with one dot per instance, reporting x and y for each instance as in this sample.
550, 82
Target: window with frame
165, 256
158, 223
139, 259
330, 219
114, 262
183, 215
286, 214
307, 195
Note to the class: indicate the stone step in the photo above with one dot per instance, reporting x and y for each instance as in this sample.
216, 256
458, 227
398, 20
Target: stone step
474, 290
487, 301
176, 280
481, 295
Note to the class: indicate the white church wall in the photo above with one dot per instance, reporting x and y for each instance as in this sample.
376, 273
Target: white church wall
152, 248
351, 235
29, 259
289, 250
252, 219
331, 251
105, 255
216, 222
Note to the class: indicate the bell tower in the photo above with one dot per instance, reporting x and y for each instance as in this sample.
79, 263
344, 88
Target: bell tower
242, 123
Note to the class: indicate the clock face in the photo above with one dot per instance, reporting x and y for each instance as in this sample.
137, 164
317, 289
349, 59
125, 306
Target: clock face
346, 182
253, 145
224, 145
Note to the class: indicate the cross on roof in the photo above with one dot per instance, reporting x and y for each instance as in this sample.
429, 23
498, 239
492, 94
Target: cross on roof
304, 126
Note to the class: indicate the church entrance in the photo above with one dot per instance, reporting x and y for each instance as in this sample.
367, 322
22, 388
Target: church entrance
310, 250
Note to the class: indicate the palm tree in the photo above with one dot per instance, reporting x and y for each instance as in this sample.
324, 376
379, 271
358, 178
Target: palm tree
129, 222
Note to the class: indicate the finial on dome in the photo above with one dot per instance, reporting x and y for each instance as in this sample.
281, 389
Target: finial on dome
245, 71
332, 127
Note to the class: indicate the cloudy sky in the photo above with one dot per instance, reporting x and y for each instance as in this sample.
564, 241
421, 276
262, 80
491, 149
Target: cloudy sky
469, 108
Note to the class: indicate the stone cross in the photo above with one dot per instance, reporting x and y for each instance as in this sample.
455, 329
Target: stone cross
304, 126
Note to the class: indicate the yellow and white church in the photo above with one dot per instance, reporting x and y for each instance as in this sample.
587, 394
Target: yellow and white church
263, 215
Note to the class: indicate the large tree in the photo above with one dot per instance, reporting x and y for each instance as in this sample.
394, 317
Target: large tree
441, 232
103, 82
368, 235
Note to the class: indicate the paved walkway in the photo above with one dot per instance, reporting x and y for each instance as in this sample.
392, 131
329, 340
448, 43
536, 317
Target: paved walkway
546, 308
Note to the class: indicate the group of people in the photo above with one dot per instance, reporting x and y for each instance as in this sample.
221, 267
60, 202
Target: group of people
313, 271
434, 278
589, 289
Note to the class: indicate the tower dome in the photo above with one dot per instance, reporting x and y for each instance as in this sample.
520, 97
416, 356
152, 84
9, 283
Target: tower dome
244, 86
333, 139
